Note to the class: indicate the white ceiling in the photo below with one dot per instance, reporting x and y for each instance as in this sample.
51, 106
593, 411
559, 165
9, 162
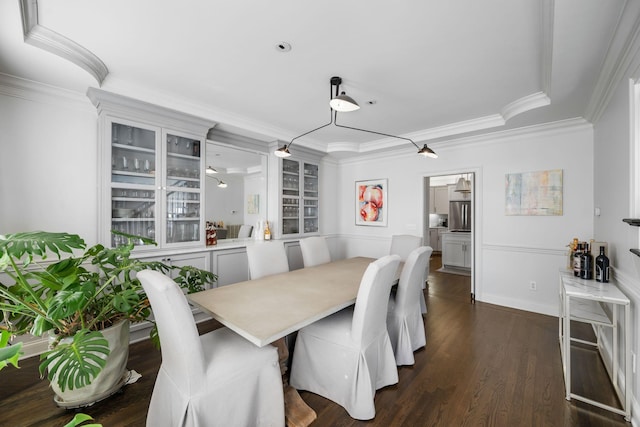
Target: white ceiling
433, 68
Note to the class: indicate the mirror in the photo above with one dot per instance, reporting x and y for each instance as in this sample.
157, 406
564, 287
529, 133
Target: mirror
244, 199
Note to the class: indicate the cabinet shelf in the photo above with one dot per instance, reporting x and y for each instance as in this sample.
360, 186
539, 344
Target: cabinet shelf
133, 148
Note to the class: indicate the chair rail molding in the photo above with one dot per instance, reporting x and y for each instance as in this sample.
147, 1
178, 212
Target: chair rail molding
44, 38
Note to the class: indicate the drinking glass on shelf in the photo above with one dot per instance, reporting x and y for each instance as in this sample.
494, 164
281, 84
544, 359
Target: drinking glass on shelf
125, 163
147, 165
136, 164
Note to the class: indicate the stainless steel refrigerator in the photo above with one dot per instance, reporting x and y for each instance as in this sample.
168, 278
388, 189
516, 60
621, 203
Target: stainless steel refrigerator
460, 215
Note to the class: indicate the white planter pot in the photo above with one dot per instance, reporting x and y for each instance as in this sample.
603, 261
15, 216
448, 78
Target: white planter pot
109, 380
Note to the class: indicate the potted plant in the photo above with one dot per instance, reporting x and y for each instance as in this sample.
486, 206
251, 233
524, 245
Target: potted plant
79, 299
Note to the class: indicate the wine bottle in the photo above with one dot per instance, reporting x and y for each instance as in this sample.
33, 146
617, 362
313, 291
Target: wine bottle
602, 267
586, 263
576, 260
267, 231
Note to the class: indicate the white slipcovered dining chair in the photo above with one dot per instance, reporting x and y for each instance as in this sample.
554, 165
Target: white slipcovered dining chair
404, 317
347, 356
403, 244
217, 379
314, 251
267, 258
245, 231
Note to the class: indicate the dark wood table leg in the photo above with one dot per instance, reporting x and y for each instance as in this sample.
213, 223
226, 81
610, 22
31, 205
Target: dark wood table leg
297, 412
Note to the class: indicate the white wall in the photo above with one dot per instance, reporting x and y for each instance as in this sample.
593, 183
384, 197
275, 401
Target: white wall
510, 251
48, 162
615, 171
225, 204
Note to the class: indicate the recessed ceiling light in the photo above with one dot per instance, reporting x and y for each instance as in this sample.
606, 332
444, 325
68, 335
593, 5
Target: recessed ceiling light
283, 47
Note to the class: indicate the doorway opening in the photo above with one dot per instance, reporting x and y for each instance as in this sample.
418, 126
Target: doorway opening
449, 224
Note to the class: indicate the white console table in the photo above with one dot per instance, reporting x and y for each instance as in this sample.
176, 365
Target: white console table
599, 304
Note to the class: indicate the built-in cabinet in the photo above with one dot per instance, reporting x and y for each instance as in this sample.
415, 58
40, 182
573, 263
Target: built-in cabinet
299, 197
230, 265
435, 238
456, 250
152, 172
439, 200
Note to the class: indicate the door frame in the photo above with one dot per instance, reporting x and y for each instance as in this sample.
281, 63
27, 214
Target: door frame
476, 213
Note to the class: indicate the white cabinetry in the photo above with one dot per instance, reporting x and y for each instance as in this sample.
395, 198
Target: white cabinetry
151, 171
456, 250
435, 238
294, 255
299, 197
439, 200
230, 265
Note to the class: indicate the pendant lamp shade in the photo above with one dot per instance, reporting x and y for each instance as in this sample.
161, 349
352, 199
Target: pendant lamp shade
427, 152
344, 103
210, 170
463, 185
282, 152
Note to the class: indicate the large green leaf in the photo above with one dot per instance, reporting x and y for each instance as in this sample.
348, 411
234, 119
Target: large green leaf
79, 419
8, 354
39, 243
76, 364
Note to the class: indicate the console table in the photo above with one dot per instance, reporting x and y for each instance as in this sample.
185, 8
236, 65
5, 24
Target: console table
600, 305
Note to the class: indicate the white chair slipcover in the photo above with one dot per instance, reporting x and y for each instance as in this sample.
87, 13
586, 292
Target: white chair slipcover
314, 251
404, 318
347, 356
245, 231
403, 244
267, 258
217, 379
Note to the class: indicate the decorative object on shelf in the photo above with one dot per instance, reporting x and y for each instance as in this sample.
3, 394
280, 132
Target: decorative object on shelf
371, 202
77, 298
343, 103
211, 237
534, 193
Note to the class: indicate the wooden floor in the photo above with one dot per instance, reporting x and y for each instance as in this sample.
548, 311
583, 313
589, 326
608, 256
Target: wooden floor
483, 365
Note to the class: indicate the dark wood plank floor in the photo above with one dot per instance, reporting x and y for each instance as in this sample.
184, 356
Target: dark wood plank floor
483, 365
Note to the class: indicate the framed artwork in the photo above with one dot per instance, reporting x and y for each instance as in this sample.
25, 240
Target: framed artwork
253, 203
534, 193
371, 202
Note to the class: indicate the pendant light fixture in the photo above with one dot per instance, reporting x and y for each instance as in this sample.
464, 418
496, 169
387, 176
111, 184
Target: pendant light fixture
221, 183
463, 185
210, 170
341, 102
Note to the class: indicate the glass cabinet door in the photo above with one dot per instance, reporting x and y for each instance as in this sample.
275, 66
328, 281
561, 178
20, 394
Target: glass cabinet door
299, 197
310, 198
183, 183
133, 181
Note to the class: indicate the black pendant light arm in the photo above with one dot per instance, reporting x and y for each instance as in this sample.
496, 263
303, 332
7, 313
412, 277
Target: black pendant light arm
335, 121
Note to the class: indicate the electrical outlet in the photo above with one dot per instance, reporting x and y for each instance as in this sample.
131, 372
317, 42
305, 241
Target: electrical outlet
533, 286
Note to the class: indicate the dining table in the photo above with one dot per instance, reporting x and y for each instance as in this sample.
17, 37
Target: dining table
266, 310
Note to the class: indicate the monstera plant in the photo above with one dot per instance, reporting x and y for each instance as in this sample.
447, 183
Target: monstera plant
76, 297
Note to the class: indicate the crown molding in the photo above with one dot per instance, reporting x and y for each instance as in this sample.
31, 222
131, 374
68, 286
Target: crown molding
526, 103
545, 129
111, 103
18, 87
548, 8
622, 50
46, 39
